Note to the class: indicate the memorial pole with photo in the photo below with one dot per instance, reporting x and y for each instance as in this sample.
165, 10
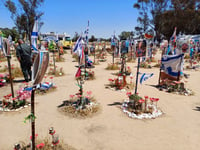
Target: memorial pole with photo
140, 52
6, 51
39, 68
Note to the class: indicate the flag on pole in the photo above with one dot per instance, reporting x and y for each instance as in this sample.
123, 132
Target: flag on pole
78, 48
34, 36
145, 76
173, 38
86, 33
172, 64
78, 73
1, 43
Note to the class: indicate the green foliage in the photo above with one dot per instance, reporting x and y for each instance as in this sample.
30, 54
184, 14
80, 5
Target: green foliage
23, 14
12, 32
125, 35
135, 97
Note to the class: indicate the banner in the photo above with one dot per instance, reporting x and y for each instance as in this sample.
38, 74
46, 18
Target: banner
145, 76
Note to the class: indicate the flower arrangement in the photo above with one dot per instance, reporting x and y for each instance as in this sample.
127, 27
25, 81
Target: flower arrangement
80, 106
101, 56
4, 69
57, 72
90, 75
47, 143
8, 103
4, 78
112, 66
120, 83
177, 87
137, 107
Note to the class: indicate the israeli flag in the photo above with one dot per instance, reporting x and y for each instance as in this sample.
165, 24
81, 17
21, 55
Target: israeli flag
144, 77
78, 48
34, 36
172, 64
1, 43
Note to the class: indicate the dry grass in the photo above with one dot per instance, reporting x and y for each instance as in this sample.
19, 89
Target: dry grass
87, 112
112, 67
16, 72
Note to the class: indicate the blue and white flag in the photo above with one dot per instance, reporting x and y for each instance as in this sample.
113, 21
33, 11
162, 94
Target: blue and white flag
86, 33
145, 76
78, 48
34, 36
172, 64
1, 43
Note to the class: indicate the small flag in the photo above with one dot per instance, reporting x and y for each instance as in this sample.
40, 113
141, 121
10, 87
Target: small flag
144, 77
173, 38
34, 36
86, 33
78, 48
1, 43
78, 73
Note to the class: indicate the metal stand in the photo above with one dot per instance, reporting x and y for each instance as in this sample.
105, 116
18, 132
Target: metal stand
138, 67
33, 119
10, 74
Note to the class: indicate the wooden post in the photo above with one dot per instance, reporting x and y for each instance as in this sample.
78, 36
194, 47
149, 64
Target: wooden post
33, 119
10, 74
138, 67
160, 65
54, 62
94, 55
113, 55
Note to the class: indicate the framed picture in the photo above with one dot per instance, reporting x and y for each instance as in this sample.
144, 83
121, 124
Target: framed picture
141, 47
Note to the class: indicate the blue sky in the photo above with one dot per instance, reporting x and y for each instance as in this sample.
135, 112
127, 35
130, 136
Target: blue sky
70, 16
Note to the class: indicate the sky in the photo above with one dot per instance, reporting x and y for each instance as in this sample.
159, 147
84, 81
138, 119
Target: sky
70, 16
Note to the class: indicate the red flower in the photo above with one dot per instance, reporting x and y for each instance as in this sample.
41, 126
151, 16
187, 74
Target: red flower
128, 93
35, 136
9, 95
89, 92
71, 96
51, 77
111, 80
40, 146
146, 97
141, 101
14, 98
55, 143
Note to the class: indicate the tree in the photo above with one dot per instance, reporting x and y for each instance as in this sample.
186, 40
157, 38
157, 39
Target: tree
148, 10
76, 36
183, 14
24, 17
12, 32
125, 35
92, 39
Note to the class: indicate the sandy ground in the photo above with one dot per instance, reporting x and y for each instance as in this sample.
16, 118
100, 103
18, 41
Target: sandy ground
110, 129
